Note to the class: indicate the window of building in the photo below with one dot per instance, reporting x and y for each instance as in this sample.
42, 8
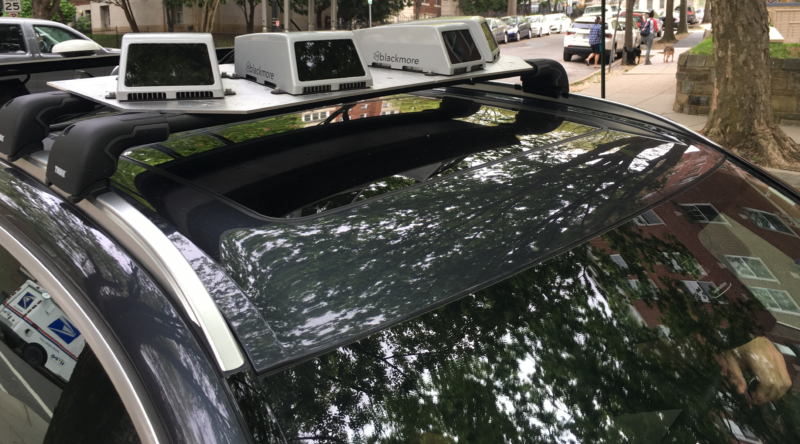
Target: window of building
11, 40
619, 261
687, 179
179, 15
365, 106
702, 291
649, 287
767, 221
383, 113
750, 267
777, 300
105, 17
683, 264
649, 4
662, 4
647, 219
437, 2
387, 104
703, 213
363, 116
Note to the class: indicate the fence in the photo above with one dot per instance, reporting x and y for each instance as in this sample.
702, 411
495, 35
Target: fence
112, 38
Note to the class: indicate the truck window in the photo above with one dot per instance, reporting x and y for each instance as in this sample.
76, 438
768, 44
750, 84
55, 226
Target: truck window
11, 40
52, 387
49, 36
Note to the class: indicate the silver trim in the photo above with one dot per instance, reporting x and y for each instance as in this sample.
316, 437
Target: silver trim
109, 353
148, 244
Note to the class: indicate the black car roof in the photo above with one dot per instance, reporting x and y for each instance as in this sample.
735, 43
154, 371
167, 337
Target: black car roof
529, 182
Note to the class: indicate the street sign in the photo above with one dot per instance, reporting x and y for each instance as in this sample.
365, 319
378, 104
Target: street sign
12, 8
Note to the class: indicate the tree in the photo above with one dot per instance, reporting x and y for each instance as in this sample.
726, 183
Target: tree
669, 24
707, 13
63, 11
204, 22
512, 7
629, 24
741, 116
248, 8
170, 7
476, 7
125, 5
353, 12
683, 24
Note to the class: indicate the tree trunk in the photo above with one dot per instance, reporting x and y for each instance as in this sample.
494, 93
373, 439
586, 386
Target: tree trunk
126, 8
45, 9
707, 13
683, 25
669, 24
170, 14
512, 7
741, 116
629, 24
251, 19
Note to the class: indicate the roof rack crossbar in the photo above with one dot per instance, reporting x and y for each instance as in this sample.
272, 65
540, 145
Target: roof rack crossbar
86, 153
25, 120
548, 78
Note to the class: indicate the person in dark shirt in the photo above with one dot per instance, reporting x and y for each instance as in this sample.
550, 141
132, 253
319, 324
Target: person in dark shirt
595, 40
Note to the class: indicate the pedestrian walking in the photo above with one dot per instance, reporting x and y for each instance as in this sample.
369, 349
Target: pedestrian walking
595, 41
648, 34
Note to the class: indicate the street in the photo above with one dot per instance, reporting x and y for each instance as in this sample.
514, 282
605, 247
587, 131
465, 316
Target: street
550, 47
547, 47
27, 399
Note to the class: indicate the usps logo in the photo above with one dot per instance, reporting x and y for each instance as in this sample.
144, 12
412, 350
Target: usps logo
64, 329
26, 301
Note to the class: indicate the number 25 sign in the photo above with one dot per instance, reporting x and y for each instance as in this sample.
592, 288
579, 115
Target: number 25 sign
12, 7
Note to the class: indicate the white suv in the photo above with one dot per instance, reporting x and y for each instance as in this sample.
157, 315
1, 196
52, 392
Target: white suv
576, 42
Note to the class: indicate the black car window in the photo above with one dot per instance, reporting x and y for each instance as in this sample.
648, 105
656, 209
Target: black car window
12, 41
580, 348
52, 387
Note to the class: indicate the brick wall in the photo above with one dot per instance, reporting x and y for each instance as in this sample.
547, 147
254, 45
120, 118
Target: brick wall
695, 87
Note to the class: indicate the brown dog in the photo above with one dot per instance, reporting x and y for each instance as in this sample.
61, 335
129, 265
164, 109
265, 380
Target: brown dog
669, 52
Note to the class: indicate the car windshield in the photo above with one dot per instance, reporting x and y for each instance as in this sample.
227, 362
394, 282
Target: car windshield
510, 21
680, 325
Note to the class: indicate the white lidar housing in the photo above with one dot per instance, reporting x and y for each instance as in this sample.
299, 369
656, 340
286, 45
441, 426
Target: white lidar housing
303, 62
445, 49
478, 28
167, 66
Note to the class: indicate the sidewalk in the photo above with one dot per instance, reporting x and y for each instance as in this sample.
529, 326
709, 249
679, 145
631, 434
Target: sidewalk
652, 88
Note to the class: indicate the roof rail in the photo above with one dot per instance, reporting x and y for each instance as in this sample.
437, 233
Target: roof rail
25, 120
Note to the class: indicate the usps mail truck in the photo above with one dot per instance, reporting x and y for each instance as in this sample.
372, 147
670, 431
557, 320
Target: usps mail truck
31, 319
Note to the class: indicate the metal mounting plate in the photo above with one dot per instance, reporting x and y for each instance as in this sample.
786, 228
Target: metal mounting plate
253, 98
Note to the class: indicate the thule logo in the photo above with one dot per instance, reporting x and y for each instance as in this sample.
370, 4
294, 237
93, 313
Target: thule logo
61, 172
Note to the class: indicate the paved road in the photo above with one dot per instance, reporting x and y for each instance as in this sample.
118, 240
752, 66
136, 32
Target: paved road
547, 47
22, 382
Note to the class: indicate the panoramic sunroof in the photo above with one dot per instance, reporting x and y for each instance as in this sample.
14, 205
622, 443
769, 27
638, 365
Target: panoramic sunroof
300, 167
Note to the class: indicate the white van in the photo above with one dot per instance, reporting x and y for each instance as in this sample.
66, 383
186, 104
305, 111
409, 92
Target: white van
31, 318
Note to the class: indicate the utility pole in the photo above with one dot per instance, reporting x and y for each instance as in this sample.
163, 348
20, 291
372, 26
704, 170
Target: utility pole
334, 14
370, 13
276, 23
603, 50
285, 15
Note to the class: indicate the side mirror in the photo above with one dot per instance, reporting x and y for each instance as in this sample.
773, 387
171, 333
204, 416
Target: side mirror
76, 48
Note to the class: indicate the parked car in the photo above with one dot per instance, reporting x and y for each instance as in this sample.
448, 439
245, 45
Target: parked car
576, 42
538, 26
23, 40
499, 29
469, 261
595, 10
690, 17
639, 17
558, 22
518, 27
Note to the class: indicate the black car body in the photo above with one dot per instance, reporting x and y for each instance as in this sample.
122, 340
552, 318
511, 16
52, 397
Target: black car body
473, 263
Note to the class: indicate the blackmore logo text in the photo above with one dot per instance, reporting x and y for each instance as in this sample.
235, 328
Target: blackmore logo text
259, 72
381, 57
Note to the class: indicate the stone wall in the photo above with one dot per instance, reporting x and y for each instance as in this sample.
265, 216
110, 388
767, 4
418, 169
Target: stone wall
695, 87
